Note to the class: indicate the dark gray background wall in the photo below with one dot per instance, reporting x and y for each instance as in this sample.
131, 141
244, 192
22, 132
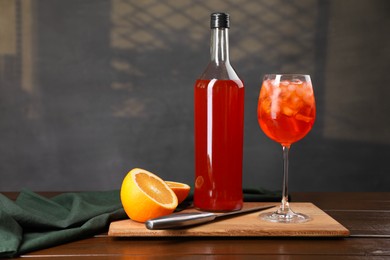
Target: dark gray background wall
91, 89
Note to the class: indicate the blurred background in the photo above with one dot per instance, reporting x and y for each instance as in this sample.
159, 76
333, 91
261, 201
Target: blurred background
90, 89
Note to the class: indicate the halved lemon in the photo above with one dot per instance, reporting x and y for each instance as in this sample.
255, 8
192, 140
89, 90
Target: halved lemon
144, 195
180, 189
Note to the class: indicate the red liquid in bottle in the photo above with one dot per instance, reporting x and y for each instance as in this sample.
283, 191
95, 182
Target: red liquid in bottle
219, 119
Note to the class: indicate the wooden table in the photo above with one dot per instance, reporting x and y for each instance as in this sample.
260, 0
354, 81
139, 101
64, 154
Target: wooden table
366, 215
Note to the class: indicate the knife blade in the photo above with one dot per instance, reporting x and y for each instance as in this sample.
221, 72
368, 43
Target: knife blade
179, 220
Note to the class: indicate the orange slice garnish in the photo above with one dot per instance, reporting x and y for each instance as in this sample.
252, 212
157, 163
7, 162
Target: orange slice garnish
180, 189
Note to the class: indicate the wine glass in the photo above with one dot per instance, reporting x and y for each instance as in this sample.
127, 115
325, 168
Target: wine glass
286, 112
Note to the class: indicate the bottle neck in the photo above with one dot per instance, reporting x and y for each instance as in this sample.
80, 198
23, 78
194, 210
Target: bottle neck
219, 45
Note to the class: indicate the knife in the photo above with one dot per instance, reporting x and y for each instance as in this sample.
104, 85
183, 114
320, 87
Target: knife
179, 220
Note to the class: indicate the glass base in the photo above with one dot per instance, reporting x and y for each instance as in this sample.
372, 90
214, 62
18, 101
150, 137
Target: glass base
289, 217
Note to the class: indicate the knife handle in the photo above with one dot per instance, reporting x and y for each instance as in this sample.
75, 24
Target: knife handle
179, 220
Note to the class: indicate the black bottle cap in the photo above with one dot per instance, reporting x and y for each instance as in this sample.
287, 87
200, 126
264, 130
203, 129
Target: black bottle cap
219, 20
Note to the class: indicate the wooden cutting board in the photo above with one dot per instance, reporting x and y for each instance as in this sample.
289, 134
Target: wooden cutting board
248, 225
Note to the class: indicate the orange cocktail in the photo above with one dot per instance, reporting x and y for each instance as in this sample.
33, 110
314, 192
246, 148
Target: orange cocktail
286, 110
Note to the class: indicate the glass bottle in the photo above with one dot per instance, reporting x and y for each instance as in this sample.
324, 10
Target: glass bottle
219, 124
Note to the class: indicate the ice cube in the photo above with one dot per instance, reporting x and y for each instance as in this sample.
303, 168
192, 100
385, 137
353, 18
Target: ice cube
301, 117
296, 81
291, 88
287, 111
300, 91
285, 83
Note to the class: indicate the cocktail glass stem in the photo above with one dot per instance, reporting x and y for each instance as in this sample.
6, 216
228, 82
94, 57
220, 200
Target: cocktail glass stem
285, 214
285, 207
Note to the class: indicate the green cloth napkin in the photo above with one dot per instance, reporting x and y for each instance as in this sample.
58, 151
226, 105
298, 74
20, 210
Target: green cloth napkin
35, 222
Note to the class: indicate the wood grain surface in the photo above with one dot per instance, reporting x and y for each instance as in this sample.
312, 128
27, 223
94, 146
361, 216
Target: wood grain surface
248, 225
365, 214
